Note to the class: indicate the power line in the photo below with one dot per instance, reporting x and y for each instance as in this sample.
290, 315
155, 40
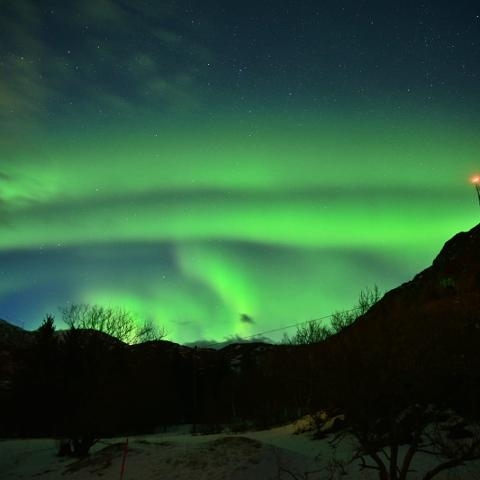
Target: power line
258, 334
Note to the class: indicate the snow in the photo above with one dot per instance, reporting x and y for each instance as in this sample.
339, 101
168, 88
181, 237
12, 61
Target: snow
278, 453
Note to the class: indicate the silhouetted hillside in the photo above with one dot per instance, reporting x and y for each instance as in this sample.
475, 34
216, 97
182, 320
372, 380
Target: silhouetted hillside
13, 336
419, 343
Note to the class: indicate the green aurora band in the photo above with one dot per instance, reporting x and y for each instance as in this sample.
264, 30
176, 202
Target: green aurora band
269, 218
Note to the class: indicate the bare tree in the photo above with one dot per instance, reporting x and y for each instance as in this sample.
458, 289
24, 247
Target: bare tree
443, 434
149, 331
314, 331
393, 388
307, 333
88, 365
366, 299
115, 321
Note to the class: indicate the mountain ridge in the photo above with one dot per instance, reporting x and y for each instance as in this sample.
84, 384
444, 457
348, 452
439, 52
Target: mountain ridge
422, 336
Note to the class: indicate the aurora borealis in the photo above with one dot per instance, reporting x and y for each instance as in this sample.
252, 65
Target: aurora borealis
199, 161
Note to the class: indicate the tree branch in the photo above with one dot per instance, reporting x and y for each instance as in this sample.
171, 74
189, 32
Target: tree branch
441, 467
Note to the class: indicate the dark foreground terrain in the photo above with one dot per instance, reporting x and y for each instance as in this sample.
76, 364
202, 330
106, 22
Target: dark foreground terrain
413, 355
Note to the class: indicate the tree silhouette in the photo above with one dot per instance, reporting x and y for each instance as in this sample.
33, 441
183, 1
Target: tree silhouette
114, 321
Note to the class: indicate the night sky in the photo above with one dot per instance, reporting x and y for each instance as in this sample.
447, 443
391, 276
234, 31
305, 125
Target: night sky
226, 168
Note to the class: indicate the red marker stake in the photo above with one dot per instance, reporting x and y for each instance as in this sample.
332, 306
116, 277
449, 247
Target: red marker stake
124, 459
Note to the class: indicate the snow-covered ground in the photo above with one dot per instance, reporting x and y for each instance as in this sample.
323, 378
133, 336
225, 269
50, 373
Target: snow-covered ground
277, 453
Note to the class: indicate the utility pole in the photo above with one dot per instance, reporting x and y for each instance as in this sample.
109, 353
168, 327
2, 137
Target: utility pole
476, 182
